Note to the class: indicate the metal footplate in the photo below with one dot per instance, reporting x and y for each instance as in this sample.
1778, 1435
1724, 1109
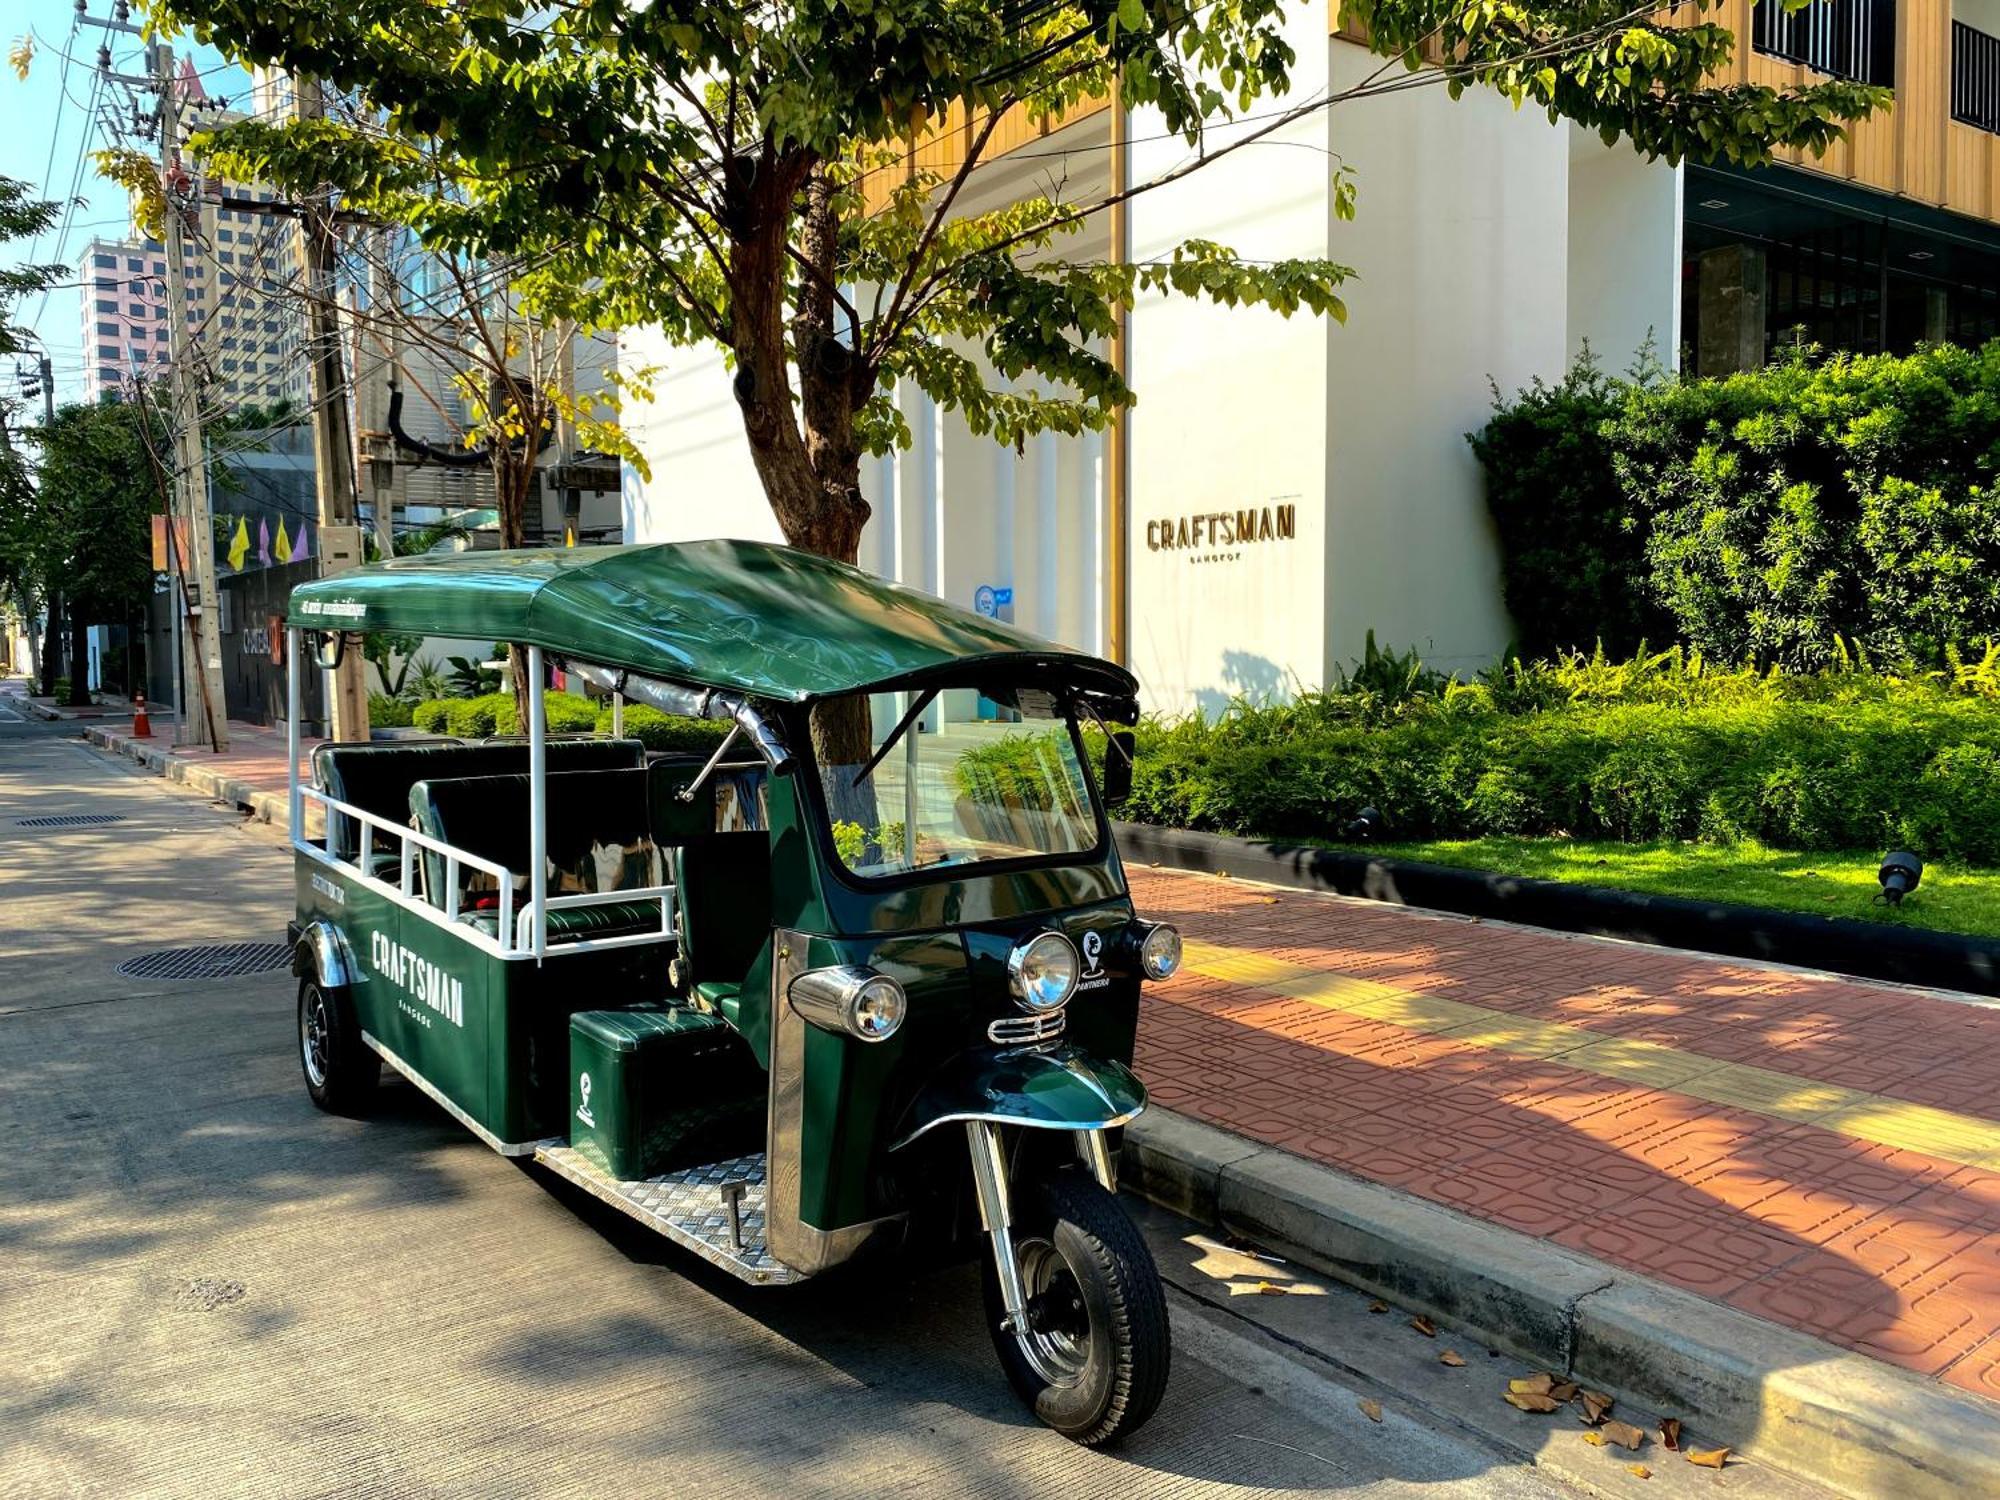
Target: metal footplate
717, 1211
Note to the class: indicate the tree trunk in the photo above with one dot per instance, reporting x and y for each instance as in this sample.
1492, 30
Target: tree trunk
79, 660
34, 646
513, 478
52, 624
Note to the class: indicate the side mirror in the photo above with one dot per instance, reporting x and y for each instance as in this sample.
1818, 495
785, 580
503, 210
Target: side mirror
1118, 766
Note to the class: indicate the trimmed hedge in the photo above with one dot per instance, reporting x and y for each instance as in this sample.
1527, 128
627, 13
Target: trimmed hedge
568, 713
1790, 514
385, 712
1845, 760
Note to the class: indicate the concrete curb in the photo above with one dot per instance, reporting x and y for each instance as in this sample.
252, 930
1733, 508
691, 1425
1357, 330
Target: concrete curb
1868, 950
269, 807
1839, 1419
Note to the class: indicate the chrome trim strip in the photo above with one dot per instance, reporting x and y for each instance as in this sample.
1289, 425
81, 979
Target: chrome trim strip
505, 1148
1109, 1122
1038, 1029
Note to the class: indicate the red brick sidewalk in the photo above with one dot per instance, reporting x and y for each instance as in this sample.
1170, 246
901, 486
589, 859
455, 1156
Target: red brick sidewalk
1819, 1152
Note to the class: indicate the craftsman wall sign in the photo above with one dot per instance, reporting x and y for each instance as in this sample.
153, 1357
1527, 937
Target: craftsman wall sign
1220, 535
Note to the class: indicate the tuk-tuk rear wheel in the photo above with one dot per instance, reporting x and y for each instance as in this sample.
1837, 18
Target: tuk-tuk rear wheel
1093, 1361
340, 1070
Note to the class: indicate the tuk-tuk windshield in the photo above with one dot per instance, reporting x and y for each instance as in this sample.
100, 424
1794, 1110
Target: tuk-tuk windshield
1006, 785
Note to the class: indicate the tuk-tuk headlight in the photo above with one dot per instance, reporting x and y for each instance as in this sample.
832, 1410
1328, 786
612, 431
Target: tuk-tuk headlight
1042, 971
852, 998
1160, 951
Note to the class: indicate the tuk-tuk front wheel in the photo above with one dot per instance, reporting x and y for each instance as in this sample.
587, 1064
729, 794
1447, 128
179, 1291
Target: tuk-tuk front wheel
340, 1070
1093, 1360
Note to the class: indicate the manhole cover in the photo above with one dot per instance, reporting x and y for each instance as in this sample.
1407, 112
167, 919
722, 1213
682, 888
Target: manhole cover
70, 820
218, 961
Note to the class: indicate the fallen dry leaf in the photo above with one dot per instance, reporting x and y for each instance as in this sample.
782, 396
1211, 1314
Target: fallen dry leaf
1624, 1434
1532, 1401
1533, 1385
1378, 1307
1424, 1326
1708, 1458
1639, 1469
1596, 1406
1670, 1434
1271, 1289
1563, 1390
1372, 1410
1595, 1439
1452, 1357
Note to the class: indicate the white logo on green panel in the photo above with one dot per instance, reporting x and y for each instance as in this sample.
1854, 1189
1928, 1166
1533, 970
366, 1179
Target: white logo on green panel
583, 1110
425, 981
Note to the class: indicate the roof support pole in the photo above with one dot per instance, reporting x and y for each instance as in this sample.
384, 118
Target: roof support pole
538, 806
294, 638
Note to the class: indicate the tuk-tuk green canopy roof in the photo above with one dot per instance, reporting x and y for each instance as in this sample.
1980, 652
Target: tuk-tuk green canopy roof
748, 617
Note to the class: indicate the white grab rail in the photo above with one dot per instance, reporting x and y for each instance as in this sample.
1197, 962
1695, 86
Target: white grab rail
513, 936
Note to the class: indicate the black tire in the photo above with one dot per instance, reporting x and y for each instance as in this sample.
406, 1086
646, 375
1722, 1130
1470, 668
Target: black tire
330, 1045
1119, 1332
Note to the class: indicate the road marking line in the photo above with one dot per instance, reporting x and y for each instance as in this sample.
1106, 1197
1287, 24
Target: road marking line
1875, 1118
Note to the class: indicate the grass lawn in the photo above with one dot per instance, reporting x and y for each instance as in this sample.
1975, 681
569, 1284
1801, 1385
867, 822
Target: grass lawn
1835, 885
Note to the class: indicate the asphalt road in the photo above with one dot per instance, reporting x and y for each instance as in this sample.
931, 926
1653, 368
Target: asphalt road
209, 1289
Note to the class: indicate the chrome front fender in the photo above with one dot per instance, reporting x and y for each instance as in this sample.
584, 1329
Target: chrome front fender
323, 951
1061, 1089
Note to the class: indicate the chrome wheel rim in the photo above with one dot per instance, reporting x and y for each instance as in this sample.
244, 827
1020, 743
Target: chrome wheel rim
1056, 1339
314, 1029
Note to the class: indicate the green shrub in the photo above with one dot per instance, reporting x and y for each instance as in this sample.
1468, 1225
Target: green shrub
432, 715
1797, 514
1572, 550
388, 713
666, 733
1654, 748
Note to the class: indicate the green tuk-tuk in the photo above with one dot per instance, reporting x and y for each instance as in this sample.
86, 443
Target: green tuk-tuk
865, 974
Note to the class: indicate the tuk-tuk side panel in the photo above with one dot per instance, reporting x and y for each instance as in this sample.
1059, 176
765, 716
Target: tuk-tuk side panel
529, 1058
856, 1091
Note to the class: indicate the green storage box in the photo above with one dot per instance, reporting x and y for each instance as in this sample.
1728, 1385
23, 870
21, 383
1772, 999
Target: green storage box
658, 1087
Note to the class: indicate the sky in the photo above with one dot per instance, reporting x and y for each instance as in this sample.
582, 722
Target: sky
46, 134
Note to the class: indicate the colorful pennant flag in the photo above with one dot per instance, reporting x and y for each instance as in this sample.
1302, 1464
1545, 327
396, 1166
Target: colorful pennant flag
264, 542
239, 545
284, 547
302, 548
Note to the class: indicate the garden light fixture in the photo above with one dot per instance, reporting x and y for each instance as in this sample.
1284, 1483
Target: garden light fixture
1900, 872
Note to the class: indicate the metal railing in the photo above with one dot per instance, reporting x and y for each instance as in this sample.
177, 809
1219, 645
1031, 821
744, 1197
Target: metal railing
1848, 38
1975, 77
513, 935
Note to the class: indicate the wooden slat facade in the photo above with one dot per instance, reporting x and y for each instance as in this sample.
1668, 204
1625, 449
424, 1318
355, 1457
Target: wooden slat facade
941, 147
1914, 149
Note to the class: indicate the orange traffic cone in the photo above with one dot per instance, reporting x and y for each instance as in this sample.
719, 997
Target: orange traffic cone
141, 728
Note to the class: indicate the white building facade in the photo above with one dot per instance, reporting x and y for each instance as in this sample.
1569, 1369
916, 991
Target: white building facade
1290, 484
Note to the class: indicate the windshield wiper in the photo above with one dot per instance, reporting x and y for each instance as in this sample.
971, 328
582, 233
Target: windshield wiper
902, 725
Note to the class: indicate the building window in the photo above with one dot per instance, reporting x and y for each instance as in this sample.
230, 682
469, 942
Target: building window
107, 304
136, 309
107, 351
1975, 77
109, 262
107, 330
133, 263
1848, 38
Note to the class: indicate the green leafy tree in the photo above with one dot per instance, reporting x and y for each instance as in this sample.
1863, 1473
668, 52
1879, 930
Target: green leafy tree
97, 488
745, 175
22, 216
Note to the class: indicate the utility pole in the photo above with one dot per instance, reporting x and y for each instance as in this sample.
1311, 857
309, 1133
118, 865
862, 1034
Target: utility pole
384, 305
333, 440
202, 719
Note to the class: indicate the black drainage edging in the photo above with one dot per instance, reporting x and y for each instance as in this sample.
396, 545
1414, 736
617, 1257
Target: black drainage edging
1871, 950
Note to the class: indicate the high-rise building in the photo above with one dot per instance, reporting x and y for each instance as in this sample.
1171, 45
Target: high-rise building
124, 291
241, 268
